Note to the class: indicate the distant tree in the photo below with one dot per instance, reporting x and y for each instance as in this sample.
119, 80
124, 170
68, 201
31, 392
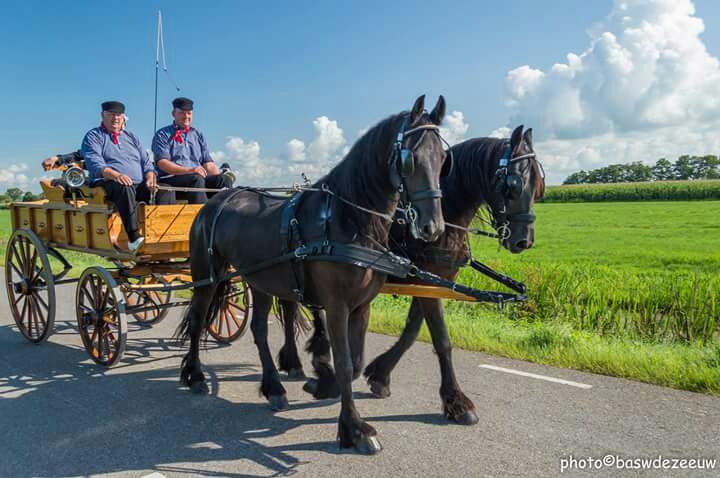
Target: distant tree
638, 172
576, 178
14, 194
663, 170
683, 168
705, 167
28, 196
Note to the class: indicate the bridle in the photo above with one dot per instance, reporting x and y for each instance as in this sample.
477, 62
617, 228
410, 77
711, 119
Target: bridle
402, 166
509, 187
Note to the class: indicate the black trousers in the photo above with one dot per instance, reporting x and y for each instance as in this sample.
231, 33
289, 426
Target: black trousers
125, 199
216, 181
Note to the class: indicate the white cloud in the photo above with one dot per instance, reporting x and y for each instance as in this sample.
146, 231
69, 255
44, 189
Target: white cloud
328, 142
646, 87
456, 128
501, 132
295, 150
252, 168
13, 176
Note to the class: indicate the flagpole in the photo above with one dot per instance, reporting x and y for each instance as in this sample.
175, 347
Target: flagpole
157, 67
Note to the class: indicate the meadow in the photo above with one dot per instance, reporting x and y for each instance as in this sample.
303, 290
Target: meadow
621, 288
626, 289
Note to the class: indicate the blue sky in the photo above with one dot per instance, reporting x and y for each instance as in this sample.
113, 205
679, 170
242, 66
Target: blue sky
266, 73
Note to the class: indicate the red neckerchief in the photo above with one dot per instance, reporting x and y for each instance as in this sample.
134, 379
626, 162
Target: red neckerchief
178, 134
112, 133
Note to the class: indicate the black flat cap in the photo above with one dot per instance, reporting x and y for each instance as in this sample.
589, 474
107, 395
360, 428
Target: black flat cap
185, 104
113, 107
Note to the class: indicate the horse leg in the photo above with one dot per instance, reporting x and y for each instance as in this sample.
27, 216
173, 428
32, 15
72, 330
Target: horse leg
456, 406
325, 385
357, 327
379, 370
353, 431
288, 359
270, 386
195, 319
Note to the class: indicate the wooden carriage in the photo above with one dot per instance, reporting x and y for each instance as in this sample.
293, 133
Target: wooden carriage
139, 284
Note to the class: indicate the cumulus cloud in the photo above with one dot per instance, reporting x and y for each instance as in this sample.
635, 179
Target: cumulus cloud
329, 140
455, 127
325, 150
14, 176
645, 87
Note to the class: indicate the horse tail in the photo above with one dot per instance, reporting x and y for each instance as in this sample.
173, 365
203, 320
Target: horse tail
300, 320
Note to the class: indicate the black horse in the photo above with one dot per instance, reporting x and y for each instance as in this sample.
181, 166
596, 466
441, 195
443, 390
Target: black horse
501, 175
245, 228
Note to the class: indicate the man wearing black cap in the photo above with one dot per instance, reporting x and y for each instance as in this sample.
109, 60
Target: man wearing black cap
182, 156
119, 164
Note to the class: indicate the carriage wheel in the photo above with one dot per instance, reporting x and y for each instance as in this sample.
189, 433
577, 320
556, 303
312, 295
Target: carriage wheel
231, 322
101, 316
30, 285
155, 297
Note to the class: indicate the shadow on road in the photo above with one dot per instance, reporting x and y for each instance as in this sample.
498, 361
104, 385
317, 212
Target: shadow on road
64, 415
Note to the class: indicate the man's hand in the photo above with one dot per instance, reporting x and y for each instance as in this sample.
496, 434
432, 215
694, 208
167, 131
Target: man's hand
123, 179
199, 170
151, 181
50, 163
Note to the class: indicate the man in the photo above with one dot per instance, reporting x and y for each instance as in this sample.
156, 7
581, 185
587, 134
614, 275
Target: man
182, 156
117, 162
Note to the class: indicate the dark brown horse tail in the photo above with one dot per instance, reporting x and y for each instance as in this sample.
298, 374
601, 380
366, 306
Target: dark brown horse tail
302, 322
182, 333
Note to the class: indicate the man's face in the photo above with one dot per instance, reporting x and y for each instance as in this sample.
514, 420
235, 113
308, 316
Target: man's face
182, 118
113, 121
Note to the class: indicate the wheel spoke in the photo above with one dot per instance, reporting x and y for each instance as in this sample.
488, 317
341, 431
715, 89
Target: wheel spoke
235, 319
19, 273
41, 301
20, 261
38, 312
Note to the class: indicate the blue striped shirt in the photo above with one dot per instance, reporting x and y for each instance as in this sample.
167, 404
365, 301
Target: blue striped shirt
127, 157
191, 153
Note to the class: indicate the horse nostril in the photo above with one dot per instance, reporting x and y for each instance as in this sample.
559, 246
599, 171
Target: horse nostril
523, 244
430, 230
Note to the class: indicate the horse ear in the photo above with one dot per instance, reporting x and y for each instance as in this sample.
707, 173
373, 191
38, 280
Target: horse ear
438, 113
417, 109
515, 138
528, 138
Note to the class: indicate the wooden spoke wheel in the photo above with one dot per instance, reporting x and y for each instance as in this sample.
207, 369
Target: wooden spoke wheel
101, 317
30, 285
146, 298
231, 322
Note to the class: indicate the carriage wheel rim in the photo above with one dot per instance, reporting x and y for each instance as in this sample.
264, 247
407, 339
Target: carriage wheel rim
30, 285
101, 316
233, 318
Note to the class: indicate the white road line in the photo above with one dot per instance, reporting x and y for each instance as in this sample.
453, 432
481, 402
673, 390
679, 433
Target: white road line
534, 375
154, 474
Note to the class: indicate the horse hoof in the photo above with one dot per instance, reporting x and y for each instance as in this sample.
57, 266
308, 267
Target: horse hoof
296, 374
278, 403
368, 445
467, 418
199, 388
378, 389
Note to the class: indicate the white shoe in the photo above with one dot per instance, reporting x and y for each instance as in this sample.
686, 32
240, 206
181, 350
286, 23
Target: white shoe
136, 244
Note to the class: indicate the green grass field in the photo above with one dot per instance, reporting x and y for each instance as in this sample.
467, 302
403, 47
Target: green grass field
624, 289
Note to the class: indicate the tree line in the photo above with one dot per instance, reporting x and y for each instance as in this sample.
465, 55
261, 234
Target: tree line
17, 194
686, 167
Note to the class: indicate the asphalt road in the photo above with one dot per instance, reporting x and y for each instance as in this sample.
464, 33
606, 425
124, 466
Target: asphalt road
61, 415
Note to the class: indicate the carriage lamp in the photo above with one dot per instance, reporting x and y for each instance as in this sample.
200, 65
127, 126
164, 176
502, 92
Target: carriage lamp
73, 177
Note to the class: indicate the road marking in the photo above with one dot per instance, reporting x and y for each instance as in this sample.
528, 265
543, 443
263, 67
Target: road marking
540, 377
154, 474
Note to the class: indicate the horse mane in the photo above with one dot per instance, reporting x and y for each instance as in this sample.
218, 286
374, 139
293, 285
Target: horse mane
466, 188
468, 185
363, 177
